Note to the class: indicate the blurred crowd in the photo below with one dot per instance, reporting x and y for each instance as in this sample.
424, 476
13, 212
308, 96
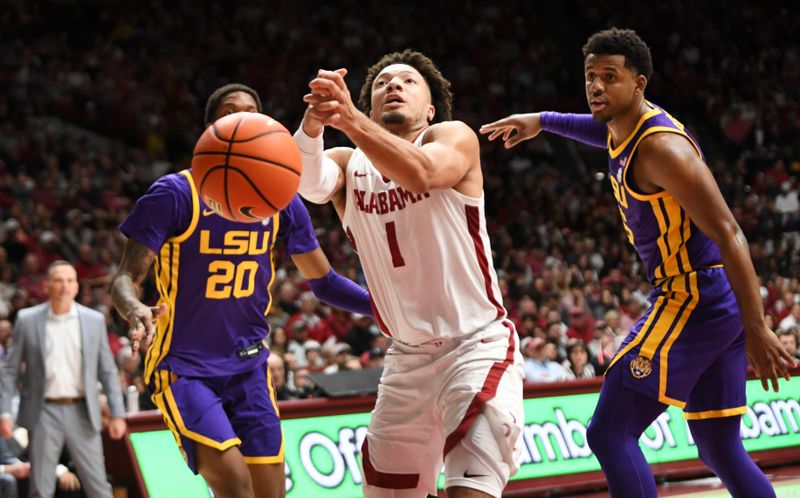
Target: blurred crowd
89, 118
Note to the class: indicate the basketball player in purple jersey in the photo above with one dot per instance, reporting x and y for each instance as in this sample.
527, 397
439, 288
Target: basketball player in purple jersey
689, 350
207, 365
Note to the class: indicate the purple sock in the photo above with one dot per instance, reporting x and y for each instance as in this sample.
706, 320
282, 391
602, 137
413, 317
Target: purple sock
719, 444
621, 416
581, 127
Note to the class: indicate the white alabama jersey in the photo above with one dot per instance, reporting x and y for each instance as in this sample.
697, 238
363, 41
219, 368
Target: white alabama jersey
426, 257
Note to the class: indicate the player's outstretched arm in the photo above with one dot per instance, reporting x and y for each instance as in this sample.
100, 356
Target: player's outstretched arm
669, 161
451, 150
136, 262
329, 286
519, 127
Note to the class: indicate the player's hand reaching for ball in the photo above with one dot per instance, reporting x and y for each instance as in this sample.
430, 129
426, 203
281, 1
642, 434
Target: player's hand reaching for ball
141, 320
329, 103
768, 357
526, 127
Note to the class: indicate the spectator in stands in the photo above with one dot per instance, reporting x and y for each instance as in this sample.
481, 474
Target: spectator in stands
361, 334
277, 369
604, 347
581, 325
557, 334
343, 353
11, 469
577, 364
303, 386
90, 272
32, 281
5, 337
537, 367
792, 319
375, 357
297, 344
314, 359
277, 341
317, 328
789, 339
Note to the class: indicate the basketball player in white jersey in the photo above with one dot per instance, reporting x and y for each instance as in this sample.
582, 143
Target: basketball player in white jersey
410, 198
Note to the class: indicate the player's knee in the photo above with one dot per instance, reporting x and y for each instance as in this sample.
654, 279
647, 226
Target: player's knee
228, 488
711, 457
597, 437
232, 484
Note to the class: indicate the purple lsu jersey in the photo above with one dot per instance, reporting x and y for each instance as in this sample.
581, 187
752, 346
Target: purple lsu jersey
657, 226
213, 274
688, 348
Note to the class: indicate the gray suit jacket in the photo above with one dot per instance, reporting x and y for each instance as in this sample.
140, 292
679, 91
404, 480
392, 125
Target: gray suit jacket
28, 347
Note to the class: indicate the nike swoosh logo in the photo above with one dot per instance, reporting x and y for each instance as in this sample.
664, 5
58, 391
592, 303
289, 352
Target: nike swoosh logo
208, 212
467, 475
357, 174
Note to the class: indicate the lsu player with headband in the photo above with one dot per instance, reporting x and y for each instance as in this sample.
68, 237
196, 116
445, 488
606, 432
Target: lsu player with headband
207, 365
410, 198
689, 349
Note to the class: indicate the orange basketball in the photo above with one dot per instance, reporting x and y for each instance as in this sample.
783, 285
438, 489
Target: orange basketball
246, 167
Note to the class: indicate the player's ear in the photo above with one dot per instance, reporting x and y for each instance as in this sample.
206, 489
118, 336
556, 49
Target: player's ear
641, 83
431, 112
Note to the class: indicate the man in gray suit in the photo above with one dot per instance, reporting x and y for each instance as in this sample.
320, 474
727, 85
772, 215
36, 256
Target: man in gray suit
64, 347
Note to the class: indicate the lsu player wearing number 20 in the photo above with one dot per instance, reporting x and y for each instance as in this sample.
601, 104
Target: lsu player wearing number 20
410, 198
207, 366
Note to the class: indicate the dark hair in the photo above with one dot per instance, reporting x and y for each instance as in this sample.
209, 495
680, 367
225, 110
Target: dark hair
441, 97
576, 344
623, 42
212, 105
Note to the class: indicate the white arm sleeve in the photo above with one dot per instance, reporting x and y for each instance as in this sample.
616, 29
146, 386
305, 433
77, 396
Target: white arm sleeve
320, 172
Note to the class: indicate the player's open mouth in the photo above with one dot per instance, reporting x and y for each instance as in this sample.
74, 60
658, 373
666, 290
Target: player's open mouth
597, 105
393, 100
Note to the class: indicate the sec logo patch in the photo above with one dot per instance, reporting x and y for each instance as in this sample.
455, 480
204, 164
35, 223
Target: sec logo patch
641, 367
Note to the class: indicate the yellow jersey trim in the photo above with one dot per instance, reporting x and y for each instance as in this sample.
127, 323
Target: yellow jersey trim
656, 311
675, 231
694, 297
195, 211
728, 412
276, 225
167, 275
648, 132
279, 458
614, 152
167, 284
271, 387
221, 446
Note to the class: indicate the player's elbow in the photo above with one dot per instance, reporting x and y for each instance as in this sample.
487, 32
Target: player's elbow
418, 184
730, 235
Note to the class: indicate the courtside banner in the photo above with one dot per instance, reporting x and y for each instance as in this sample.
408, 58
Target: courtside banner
323, 453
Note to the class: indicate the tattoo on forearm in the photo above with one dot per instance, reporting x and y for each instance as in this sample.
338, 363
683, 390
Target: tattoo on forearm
136, 262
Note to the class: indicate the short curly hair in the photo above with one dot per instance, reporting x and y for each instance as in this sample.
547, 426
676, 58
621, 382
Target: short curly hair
441, 96
214, 101
623, 42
